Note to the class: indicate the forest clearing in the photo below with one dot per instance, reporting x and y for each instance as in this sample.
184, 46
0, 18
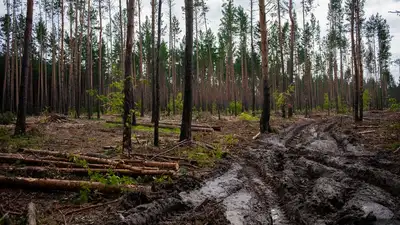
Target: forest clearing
314, 169
110, 114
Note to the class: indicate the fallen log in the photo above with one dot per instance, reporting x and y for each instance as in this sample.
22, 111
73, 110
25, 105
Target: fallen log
39, 169
199, 129
116, 164
215, 128
164, 165
191, 161
31, 214
367, 132
14, 158
67, 185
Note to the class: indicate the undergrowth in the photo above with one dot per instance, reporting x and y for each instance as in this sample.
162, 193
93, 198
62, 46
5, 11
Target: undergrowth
33, 139
247, 117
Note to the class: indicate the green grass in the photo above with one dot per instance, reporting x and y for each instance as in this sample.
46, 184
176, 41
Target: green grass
32, 139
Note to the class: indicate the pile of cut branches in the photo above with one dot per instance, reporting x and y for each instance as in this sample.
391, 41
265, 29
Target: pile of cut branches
39, 163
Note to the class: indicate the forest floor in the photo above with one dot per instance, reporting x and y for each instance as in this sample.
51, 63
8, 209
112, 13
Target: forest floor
320, 170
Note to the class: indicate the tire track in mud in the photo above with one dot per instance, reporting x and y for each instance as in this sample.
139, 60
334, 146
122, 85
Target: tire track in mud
311, 174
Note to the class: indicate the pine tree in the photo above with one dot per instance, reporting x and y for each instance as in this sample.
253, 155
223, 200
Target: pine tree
186, 133
20, 126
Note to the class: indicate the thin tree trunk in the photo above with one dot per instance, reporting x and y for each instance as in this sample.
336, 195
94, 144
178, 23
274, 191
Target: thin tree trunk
157, 79
359, 59
7, 60
141, 85
281, 58
100, 75
186, 133
153, 56
253, 83
291, 59
21, 117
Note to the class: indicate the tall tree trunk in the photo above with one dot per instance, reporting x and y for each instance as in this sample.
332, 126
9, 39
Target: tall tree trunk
153, 67
21, 117
359, 59
141, 64
253, 83
355, 61
7, 61
128, 103
133, 72
157, 79
291, 59
186, 125
89, 62
100, 75
72, 40
264, 120
281, 58
63, 95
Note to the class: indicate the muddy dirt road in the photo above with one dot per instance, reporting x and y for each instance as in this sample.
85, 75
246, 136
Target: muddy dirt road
314, 172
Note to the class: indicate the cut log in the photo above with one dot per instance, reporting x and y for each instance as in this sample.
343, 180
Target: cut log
367, 132
67, 185
16, 158
215, 128
198, 129
163, 165
117, 164
83, 171
31, 214
191, 161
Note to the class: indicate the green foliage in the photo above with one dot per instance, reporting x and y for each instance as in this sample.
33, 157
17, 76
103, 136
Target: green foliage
7, 118
231, 108
366, 99
230, 140
84, 194
162, 179
247, 117
162, 130
342, 107
114, 101
178, 103
32, 139
279, 98
326, 102
394, 105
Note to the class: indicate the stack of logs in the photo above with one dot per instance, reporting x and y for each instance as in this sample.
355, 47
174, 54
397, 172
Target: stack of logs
42, 161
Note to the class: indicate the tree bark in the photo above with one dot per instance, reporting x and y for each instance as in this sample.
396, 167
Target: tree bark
128, 103
282, 64
66, 185
31, 214
38, 170
100, 75
355, 61
157, 79
141, 85
291, 59
186, 133
264, 120
20, 126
